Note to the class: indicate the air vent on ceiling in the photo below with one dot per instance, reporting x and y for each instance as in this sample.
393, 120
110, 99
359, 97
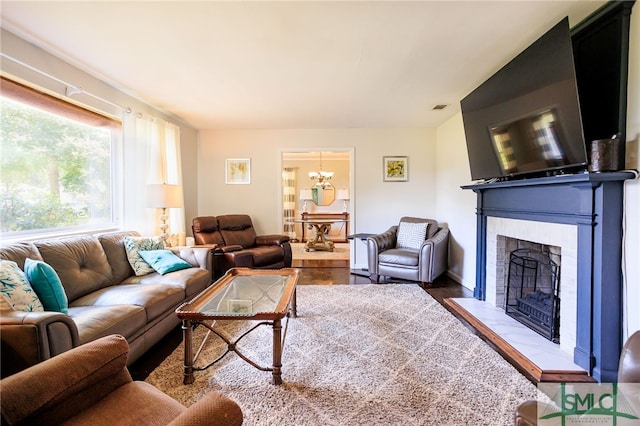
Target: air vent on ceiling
439, 107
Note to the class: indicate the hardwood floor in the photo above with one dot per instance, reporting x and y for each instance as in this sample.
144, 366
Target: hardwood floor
318, 272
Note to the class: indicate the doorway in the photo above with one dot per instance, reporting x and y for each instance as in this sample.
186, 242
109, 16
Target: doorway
316, 181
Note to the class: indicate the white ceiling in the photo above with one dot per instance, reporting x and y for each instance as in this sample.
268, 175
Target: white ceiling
300, 64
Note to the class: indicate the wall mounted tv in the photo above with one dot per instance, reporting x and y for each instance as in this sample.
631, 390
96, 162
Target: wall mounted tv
525, 119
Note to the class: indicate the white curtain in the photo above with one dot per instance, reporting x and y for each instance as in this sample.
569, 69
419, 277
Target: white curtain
158, 153
289, 200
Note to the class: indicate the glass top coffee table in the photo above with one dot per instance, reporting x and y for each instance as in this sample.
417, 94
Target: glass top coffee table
242, 294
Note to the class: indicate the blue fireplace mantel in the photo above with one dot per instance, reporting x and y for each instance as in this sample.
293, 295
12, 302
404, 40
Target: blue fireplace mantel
594, 203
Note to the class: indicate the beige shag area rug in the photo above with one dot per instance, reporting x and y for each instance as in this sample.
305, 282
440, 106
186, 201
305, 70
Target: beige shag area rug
340, 252
361, 355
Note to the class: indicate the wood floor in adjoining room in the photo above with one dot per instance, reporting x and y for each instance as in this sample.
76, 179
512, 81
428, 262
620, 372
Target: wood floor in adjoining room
315, 272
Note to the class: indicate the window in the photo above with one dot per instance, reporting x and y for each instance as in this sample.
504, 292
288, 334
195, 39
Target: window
55, 164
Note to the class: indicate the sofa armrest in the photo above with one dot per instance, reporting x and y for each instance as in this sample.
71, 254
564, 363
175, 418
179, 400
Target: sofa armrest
214, 409
436, 250
271, 240
75, 380
378, 243
199, 257
31, 337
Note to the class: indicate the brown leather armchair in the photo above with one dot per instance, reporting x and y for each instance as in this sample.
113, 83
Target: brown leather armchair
628, 372
236, 244
423, 263
91, 385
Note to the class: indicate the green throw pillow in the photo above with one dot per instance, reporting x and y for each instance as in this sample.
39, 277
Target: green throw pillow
46, 283
16, 289
163, 261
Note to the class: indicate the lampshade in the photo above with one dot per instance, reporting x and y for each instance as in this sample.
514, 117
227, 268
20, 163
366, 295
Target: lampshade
164, 195
343, 194
306, 194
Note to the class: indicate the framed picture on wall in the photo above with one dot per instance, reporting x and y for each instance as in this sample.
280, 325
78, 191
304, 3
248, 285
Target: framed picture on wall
396, 169
238, 171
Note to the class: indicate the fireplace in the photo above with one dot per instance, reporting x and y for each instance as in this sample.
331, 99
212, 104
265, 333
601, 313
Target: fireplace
533, 294
581, 214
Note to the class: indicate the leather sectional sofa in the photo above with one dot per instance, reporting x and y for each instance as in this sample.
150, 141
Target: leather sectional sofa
104, 296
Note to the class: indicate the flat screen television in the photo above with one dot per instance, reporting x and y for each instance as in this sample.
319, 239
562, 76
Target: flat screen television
526, 119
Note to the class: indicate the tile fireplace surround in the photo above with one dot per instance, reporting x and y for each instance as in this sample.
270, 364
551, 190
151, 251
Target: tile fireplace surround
582, 213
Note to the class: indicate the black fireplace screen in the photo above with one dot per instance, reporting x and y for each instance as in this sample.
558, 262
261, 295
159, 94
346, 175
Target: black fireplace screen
533, 292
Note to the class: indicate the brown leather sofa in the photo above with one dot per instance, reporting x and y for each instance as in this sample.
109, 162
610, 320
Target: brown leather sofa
628, 372
105, 297
235, 243
423, 264
90, 385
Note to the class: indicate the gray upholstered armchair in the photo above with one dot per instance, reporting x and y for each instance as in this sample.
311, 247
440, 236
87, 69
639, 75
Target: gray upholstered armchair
416, 249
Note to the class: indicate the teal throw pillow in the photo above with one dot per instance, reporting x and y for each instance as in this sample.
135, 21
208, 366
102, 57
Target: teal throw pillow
16, 289
163, 261
46, 283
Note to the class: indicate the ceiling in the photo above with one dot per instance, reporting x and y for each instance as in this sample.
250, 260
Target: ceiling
299, 64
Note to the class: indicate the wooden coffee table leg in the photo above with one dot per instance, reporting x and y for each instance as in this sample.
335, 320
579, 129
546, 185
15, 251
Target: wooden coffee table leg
187, 332
277, 352
294, 304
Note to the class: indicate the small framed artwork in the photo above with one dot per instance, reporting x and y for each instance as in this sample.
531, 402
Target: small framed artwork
238, 171
396, 169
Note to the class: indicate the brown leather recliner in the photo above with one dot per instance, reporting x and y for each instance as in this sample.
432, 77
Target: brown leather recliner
238, 245
90, 385
628, 372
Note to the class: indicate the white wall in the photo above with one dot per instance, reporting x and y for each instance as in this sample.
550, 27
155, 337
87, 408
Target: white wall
632, 188
456, 206
375, 205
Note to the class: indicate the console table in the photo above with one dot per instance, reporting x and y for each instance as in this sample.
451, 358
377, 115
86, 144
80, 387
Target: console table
321, 228
319, 217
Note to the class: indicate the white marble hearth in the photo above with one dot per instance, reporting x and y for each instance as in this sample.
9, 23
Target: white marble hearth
546, 355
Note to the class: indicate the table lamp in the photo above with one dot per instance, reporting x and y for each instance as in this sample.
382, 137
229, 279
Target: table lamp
305, 195
164, 196
343, 194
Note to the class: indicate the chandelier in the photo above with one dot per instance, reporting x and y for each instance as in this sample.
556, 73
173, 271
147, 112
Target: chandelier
321, 176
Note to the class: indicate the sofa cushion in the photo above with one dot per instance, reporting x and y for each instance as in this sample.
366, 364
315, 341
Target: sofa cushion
399, 256
113, 246
47, 285
133, 245
16, 289
137, 403
206, 232
192, 280
18, 252
155, 298
80, 262
237, 229
98, 321
163, 261
411, 234
266, 255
